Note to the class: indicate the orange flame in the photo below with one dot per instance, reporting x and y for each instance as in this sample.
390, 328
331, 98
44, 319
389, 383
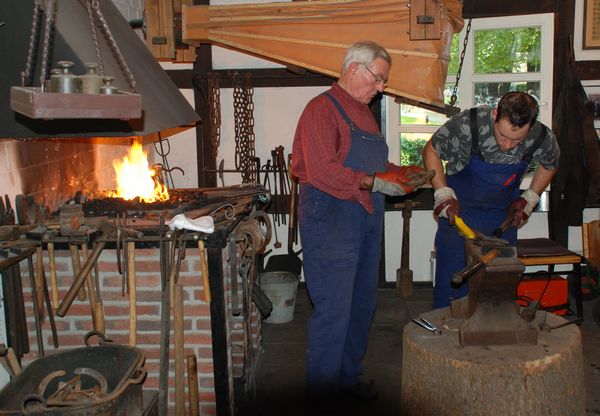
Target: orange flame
135, 178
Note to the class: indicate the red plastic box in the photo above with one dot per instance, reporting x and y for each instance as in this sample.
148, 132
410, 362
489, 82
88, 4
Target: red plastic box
553, 290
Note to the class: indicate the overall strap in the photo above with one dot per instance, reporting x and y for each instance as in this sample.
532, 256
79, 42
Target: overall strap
527, 157
340, 110
475, 151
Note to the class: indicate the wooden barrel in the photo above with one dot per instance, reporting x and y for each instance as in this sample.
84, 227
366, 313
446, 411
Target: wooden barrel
439, 377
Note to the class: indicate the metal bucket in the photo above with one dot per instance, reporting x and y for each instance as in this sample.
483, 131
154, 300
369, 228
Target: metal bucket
281, 289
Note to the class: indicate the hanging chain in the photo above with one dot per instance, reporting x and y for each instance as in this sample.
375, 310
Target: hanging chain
244, 127
214, 112
26, 74
454, 95
49, 24
113, 45
88, 6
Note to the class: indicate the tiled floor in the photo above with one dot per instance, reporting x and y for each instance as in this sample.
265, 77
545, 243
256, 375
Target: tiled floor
280, 373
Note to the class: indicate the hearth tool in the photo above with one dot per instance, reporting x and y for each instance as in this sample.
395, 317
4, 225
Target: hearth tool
165, 319
131, 287
424, 323
47, 237
545, 327
193, 396
37, 313
179, 351
204, 270
106, 229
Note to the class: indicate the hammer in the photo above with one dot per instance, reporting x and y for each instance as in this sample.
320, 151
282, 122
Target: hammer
458, 277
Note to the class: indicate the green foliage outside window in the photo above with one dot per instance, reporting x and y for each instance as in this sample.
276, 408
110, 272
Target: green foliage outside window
410, 152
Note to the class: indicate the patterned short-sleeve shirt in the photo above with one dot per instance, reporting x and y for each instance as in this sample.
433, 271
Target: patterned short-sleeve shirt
452, 142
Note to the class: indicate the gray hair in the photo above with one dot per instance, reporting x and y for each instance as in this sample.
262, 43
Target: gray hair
365, 52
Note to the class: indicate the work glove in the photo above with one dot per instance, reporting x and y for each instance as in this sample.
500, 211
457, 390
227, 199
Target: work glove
520, 209
401, 180
445, 204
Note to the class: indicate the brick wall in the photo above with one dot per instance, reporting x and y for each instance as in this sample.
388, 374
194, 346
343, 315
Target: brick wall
197, 319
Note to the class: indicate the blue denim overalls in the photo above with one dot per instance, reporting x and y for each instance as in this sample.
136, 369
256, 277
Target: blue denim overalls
484, 190
342, 247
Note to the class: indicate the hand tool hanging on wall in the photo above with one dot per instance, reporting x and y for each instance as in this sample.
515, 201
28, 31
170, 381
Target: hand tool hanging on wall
289, 262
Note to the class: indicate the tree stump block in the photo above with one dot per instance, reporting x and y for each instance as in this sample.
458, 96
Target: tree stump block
439, 377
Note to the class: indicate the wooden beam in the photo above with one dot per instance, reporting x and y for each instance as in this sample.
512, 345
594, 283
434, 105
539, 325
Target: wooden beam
267, 77
487, 8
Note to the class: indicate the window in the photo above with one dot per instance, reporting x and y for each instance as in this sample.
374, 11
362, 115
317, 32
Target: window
503, 54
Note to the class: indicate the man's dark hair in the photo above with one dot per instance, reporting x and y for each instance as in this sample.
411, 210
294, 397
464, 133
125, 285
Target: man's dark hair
519, 107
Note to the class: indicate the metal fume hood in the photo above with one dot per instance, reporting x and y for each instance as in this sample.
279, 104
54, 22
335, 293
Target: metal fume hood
164, 109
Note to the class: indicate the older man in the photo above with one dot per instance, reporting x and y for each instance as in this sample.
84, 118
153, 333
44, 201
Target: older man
340, 159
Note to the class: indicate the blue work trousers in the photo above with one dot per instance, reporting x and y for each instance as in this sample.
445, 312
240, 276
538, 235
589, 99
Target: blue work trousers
342, 248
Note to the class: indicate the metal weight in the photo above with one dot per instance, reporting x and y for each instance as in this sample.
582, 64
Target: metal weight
64, 81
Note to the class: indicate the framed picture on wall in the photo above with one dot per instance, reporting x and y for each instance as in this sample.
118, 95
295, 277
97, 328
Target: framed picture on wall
591, 24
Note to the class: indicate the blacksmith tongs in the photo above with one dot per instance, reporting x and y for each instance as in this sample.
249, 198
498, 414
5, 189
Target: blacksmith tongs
424, 323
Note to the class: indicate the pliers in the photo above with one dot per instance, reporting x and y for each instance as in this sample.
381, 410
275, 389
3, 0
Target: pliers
424, 323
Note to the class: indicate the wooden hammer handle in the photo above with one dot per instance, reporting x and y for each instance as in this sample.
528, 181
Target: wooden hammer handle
131, 277
53, 276
204, 271
80, 279
458, 277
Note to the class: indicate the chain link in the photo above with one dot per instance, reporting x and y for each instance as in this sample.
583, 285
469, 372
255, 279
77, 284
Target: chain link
26, 74
454, 95
48, 25
244, 127
214, 111
113, 45
88, 6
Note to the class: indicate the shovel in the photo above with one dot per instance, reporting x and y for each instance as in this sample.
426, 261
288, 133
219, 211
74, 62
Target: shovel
289, 262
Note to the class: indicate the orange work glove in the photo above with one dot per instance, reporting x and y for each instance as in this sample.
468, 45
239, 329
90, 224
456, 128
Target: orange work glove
401, 180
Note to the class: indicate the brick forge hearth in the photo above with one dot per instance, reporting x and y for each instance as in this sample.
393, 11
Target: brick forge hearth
229, 354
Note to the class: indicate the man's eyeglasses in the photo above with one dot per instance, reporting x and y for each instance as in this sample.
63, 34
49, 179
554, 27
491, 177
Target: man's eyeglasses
378, 79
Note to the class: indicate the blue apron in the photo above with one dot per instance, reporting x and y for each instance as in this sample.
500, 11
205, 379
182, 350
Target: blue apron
485, 191
342, 247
